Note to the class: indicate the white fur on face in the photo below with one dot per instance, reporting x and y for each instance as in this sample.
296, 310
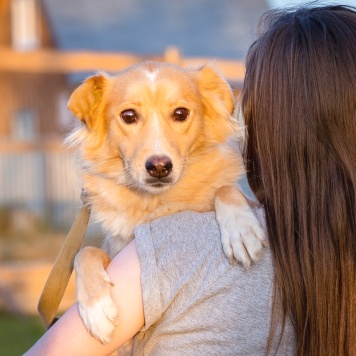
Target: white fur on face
151, 76
157, 133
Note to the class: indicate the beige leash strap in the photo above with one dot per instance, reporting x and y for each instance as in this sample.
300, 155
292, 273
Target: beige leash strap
62, 269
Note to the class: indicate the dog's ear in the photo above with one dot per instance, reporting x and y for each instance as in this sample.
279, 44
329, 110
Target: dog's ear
86, 98
215, 88
218, 101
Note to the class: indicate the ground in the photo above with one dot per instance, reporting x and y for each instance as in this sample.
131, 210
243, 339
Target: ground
25, 261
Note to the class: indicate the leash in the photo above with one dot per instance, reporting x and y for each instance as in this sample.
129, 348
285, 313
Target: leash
62, 269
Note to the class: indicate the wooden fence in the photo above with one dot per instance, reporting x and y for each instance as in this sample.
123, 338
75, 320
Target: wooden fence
38, 185
54, 61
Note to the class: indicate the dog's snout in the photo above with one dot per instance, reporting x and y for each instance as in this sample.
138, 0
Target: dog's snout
159, 166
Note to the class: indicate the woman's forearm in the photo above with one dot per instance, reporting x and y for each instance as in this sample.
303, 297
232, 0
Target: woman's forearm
68, 336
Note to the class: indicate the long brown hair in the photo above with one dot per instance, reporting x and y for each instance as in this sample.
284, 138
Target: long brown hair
299, 104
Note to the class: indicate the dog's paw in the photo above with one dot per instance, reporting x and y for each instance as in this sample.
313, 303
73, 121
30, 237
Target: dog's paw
95, 304
242, 236
97, 309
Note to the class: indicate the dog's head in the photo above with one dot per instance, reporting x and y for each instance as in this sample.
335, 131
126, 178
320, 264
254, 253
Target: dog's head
142, 125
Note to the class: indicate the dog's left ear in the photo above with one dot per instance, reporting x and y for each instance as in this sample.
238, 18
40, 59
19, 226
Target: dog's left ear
85, 100
214, 87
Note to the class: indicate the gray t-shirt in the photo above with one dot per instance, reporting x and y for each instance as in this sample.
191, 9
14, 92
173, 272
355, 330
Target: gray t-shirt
195, 302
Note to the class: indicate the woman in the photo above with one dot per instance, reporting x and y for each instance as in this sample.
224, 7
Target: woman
299, 103
176, 290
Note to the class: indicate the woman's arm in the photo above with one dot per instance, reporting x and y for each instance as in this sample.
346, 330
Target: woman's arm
68, 336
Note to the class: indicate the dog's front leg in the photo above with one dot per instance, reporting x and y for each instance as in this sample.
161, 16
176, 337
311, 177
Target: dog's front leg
96, 306
241, 233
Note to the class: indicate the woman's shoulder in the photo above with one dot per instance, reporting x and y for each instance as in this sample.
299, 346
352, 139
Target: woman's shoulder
181, 234
188, 241
188, 225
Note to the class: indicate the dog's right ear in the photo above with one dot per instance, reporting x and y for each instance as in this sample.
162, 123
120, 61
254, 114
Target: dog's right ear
215, 88
84, 101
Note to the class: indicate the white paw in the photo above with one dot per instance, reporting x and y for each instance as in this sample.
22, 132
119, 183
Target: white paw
98, 310
100, 318
241, 233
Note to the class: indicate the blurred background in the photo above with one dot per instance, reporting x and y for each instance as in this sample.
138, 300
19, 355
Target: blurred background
46, 49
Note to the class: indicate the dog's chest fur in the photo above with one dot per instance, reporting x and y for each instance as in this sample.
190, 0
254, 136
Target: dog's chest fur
120, 208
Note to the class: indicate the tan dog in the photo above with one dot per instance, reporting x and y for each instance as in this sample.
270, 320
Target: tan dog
157, 139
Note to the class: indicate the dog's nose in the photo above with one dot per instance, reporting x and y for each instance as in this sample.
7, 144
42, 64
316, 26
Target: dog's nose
159, 166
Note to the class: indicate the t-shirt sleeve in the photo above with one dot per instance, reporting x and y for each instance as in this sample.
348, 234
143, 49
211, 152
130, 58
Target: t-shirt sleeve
179, 255
151, 296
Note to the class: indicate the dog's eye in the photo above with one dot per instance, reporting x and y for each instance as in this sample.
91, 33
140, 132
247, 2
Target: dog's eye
180, 114
129, 116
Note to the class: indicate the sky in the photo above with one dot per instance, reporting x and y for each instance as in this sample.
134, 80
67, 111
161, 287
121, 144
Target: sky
282, 3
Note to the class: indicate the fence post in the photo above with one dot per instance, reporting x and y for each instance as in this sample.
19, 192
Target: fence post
173, 55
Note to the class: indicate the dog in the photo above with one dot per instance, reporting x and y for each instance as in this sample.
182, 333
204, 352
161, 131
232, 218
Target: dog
156, 139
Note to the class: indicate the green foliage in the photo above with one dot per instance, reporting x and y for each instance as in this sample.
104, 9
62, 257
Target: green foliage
18, 333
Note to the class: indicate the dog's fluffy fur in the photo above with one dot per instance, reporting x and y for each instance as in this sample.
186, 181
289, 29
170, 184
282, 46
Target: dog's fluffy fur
133, 124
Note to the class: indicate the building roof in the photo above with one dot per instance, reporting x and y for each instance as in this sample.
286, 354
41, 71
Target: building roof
208, 28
